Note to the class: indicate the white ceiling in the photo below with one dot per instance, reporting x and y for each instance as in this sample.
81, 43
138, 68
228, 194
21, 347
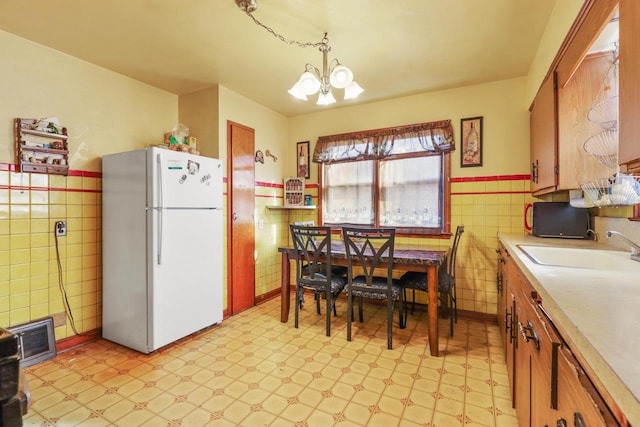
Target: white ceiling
394, 48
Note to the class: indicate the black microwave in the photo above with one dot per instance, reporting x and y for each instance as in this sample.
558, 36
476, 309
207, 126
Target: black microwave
560, 219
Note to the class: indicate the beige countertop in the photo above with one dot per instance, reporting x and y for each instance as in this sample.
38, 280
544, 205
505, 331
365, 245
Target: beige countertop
596, 311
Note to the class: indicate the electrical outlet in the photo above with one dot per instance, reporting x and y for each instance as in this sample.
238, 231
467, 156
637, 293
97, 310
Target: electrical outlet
61, 228
59, 319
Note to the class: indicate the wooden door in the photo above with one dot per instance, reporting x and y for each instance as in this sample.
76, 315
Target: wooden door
241, 232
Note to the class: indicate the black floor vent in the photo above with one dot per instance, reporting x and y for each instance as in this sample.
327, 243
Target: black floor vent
36, 342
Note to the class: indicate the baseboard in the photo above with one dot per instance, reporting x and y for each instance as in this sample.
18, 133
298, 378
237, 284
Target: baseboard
478, 317
475, 316
268, 296
76, 340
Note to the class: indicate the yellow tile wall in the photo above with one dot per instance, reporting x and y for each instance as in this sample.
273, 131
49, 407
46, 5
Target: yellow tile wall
30, 287
30, 204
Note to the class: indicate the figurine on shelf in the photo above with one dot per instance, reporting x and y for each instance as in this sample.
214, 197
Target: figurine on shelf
49, 125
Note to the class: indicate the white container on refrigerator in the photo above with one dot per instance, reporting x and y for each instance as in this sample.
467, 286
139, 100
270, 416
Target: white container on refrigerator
162, 246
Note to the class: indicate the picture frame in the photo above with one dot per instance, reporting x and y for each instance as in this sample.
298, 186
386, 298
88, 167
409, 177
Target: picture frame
302, 160
471, 145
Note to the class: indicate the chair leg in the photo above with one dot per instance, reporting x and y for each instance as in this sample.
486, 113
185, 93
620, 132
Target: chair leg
413, 300
455, 302
318, 298
334, 297
402, 312
349, 314
390, 310
360, 313
451, 312
328, 313
298, 306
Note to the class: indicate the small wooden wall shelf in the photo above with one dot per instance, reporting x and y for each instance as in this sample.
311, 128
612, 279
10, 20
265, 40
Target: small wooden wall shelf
38, 151
294, 192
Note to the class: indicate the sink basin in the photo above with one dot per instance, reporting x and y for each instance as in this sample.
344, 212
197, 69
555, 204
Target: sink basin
580, 258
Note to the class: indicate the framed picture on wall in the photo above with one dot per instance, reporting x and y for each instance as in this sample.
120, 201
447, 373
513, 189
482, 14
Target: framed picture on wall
302, 162
471, 142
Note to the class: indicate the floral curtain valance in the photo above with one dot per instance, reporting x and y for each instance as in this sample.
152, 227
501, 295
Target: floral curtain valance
420, 139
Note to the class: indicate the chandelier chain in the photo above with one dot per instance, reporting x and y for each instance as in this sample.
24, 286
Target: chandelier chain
283, 38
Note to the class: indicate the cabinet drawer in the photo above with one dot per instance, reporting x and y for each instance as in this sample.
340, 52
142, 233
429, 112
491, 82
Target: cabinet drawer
58, 170
34, 167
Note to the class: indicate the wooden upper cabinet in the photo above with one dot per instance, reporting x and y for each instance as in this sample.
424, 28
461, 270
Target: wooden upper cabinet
544, 138
629, 120
575, 165
559, 126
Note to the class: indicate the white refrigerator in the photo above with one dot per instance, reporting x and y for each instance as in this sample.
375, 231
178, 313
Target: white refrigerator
162, 246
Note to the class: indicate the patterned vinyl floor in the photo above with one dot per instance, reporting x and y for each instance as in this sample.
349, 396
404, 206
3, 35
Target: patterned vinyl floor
253, 370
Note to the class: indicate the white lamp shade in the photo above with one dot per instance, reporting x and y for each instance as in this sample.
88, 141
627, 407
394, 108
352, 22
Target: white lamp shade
341, 77
326, 99
296, 91
309, 84
353, 90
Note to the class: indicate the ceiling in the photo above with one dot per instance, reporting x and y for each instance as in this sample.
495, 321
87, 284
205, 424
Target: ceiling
394, 48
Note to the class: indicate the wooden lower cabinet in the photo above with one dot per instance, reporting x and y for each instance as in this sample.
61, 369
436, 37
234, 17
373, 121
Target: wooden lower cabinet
549, 387
577, 397
501, 289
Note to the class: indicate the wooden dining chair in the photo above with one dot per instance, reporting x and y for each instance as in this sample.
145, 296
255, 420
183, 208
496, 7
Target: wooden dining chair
368, 250
446, 281
314, 269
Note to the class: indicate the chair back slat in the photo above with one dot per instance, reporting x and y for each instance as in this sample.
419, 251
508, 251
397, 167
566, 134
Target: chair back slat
313, 252
451, 261
368, 250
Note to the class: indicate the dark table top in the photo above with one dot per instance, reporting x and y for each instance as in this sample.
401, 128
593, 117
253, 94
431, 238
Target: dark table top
402, 255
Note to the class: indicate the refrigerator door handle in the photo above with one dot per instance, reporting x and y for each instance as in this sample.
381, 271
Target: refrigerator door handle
160, 225
160, 189
160, 206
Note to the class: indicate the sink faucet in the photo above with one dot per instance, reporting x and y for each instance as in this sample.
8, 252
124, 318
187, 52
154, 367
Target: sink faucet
635, 249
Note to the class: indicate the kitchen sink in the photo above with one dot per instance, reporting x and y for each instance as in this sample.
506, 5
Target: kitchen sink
597, 259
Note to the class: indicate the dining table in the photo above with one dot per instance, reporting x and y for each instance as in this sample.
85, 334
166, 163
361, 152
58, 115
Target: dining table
405, 258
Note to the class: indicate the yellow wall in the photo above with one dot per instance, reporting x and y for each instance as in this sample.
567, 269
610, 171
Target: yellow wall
271, 130
200, 111
561, 19
104, 112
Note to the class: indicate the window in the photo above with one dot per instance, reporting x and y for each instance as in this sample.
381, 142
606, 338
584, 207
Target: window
399, 180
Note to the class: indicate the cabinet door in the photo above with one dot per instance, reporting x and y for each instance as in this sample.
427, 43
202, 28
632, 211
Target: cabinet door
575, 165
522, 371
544, 138
543, 343
576, 395
629, 149
510, 340
501, 284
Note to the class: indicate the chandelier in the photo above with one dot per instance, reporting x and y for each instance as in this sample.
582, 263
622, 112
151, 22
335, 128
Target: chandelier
312, 80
